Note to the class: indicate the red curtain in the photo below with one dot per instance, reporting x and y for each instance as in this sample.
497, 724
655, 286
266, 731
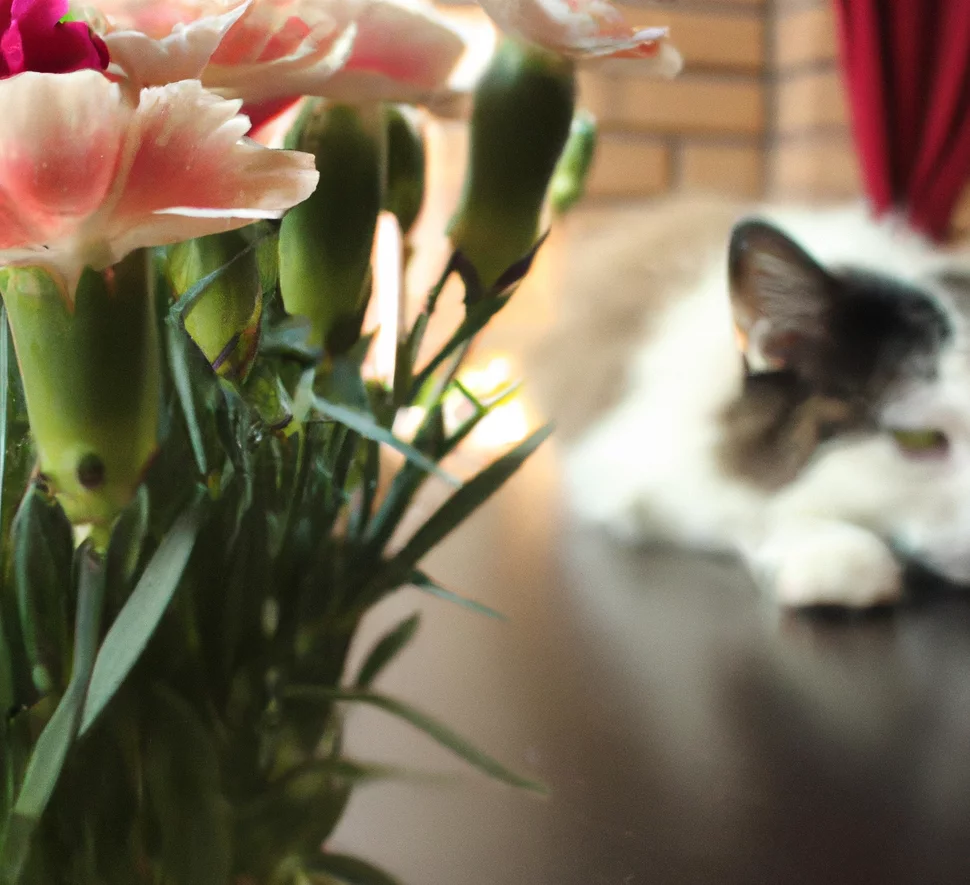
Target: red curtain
907, 72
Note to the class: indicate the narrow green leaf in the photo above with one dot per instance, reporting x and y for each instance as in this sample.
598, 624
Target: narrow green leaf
183, 791
386, 649
476, 318
431, 300
347, 870
50, 751
136, 622
287, 337
125, 543
311, 777
265, 391
433, 729
181, 308
343, 448
370, 466
368, 428
433, 588
482, 410
186, 361
4, 387
43, 550
17, 460
466, 500
298, 812
343, 382
404, 486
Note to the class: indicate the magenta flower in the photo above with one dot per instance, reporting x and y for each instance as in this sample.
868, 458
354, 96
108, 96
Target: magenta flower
33, 38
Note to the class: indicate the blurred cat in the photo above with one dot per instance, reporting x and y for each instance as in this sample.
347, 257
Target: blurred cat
793, 386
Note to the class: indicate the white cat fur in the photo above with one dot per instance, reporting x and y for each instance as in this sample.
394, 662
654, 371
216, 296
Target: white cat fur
647, 470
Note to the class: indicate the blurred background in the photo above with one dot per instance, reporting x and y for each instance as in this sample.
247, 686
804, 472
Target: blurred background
688, 732
761, 111
758, 112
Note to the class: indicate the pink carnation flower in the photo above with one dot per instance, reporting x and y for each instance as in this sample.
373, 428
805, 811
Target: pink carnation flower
33, 38
271, 51
88, 175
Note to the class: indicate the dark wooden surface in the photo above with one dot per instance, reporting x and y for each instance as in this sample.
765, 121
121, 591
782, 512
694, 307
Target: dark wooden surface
687, 732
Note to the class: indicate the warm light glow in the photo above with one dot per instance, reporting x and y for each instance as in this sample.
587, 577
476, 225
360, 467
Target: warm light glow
387, 307
407, 421
508, 423
506, 426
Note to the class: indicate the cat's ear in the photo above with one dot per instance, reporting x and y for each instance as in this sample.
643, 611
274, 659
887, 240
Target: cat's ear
782, 299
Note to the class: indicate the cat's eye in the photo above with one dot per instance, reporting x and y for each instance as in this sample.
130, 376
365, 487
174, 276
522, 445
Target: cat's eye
922, 442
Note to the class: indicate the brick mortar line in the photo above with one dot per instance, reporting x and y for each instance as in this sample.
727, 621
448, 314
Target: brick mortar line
788, 7
661, 138
812, 66
648, 130
752, 76
770, 98
819, 135
675, 162
705, 7
722, 70
655, 139
808, 130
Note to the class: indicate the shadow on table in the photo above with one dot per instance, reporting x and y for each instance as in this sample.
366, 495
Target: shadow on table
688, 733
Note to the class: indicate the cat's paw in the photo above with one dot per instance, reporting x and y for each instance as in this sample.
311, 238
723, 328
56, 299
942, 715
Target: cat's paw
830, 563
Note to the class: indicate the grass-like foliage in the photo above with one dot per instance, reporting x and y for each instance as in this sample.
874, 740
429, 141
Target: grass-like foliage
172, 695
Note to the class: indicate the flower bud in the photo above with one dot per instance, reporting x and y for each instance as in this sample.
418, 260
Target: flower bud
404, 190
569, 180
326, 241
225, 320
520, 121
92, 381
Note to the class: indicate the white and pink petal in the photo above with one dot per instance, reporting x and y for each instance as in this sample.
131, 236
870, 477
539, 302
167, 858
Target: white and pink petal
153, 56
59, 149
87, 176
269, 50
407, 40
583, 28
282, 78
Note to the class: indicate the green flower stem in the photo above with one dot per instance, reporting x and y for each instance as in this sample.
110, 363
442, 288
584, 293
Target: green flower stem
91, 378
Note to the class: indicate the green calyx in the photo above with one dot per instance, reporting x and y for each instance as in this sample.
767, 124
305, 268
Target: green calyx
404, 191
224, 320
569, 180
326, 241
91, 379
521, 118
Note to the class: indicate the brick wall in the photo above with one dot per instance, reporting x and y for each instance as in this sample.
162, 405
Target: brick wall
810, 152
704, 130
758, 111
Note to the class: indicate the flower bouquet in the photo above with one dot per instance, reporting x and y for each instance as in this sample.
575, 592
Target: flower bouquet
194, 511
